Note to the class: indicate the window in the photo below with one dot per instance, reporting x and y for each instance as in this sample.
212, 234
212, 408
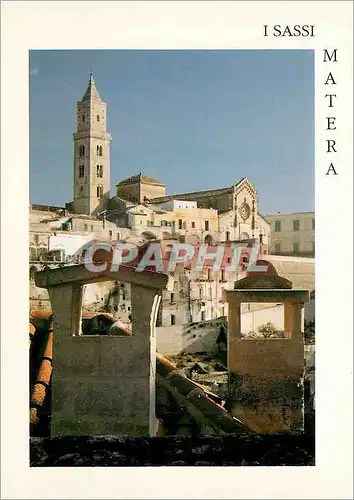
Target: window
277, 248
98, 118
180, 223
222, 278
81, 150
118, 236
110, 234
99, 191
83, 117
85, 227
313, 224
182, 239
99, 171
277, 226
81, 171
209, 274
296, 225
296, 247
202, 316
193, 224
81, 189
172, 298
206, 225
173, 319
91, 228
227, 236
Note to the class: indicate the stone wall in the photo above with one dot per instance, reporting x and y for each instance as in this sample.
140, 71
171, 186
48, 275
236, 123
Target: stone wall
101, 364
198, 337
299, 270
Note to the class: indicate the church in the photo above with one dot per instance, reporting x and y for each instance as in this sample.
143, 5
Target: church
141, 203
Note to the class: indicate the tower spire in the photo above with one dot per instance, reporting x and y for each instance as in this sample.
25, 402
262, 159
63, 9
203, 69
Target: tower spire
91, 91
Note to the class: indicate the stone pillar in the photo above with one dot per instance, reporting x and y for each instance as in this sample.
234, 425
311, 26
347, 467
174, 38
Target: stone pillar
103, 385
265, 375
234, 331
145, 304
66, 301
288, 319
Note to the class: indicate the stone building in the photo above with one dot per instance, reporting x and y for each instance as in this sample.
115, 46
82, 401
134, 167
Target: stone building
293, 234
91, 173
140, 188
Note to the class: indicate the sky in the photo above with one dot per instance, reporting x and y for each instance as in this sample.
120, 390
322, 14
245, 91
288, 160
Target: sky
194, 120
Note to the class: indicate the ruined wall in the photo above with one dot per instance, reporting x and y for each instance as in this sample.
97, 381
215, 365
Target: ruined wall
199, 337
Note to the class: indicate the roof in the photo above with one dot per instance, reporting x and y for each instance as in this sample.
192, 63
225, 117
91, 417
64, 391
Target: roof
197, 194
263, 217
288, 214
144, 179
91, 91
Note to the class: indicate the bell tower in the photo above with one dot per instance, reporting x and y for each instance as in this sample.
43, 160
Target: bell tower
91, 154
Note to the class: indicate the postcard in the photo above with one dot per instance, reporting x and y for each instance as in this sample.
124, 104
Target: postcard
177, 178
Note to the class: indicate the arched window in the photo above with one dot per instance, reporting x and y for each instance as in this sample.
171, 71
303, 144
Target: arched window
97, 170
99, 191
97, 150
82, 150
81, 171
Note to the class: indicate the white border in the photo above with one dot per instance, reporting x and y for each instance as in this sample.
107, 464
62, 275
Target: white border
230, 25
